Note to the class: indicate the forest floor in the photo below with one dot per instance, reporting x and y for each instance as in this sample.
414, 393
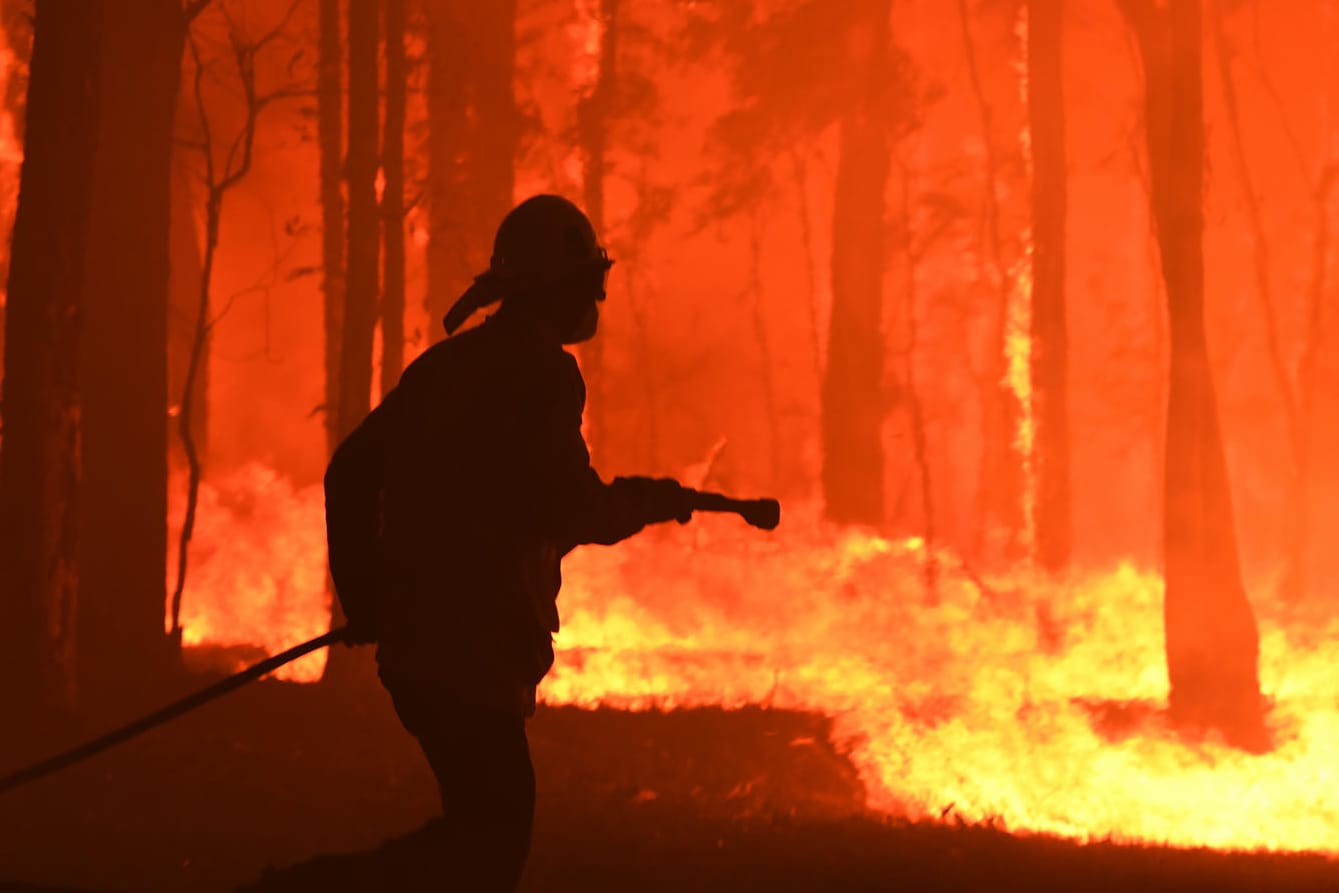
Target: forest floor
704, 800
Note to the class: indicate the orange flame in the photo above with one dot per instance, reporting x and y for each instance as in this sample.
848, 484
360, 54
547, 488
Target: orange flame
256, 566
1032, 703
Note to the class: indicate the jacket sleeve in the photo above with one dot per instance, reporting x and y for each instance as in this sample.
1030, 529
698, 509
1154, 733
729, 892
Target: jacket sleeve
353, 486
567, 501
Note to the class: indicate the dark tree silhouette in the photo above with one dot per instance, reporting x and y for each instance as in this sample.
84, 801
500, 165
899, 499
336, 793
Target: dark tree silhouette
330, 140
915, 244
39, 462
360, 304
360, 311
594, 113
123, 449
1212, 642
184, 303
491, 141
449, 255
473, 133
17, 26
1050, 342
800, 68
392, 201
1000, 487
853, 408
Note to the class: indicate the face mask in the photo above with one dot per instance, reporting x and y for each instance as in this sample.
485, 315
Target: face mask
585, 328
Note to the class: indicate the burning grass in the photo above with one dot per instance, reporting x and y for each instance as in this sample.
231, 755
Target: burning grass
1030, 704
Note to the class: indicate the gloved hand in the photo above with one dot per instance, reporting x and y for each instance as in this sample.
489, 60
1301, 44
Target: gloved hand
658, 499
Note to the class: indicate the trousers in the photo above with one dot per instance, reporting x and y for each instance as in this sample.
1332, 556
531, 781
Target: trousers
481, 759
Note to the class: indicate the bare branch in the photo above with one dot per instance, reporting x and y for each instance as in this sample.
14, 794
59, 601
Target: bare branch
192, 10
237, 163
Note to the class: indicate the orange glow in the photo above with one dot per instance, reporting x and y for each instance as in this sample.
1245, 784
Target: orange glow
987, 706
1005, 696
257, 567
1018, 321
11, 154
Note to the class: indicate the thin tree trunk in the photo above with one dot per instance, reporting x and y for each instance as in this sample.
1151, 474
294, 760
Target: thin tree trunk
915, 405
852, 401
593, 136
1000, 479
1050, 341
39, 464
1212, 642
493, 139
123, 487
450, 266
360, 297
473, 135
766, 377
330, 126
806, 217
185, 293
360, 306
16, 24
392, 201
641, 226
219, 179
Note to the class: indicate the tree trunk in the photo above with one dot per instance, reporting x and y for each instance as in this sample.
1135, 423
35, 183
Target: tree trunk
450, 264
910, 352
360, 305
495, 134
593, 115
1212, 643
330, 137
1050, 343
360, 298
182, 312
123, 498
39, 464
1002, 521
392, 201
16, 25
853, 410
473, 134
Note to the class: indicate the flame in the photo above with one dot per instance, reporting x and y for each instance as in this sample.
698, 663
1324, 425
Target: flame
256, 566
1015, 699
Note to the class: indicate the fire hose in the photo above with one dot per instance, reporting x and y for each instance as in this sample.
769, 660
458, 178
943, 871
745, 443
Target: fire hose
764, 514
165, 714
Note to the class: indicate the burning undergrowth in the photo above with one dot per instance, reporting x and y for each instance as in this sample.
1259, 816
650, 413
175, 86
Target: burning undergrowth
1029, 703
256, 569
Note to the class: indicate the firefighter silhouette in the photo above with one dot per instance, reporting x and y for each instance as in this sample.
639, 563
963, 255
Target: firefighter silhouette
448, 512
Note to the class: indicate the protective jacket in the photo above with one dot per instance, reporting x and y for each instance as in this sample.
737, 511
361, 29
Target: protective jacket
449, 509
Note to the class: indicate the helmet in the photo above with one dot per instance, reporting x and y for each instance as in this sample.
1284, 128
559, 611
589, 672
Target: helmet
544, 239
544, 243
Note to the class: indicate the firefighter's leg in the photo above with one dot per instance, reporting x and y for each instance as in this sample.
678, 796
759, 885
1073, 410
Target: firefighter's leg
481, 759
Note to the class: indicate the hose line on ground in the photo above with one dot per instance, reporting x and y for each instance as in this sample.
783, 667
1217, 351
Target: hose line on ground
165, 714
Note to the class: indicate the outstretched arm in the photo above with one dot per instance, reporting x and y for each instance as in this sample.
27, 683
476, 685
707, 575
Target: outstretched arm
566, 497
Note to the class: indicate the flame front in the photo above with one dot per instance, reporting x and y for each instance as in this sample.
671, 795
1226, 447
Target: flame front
1029, 703
256, 568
